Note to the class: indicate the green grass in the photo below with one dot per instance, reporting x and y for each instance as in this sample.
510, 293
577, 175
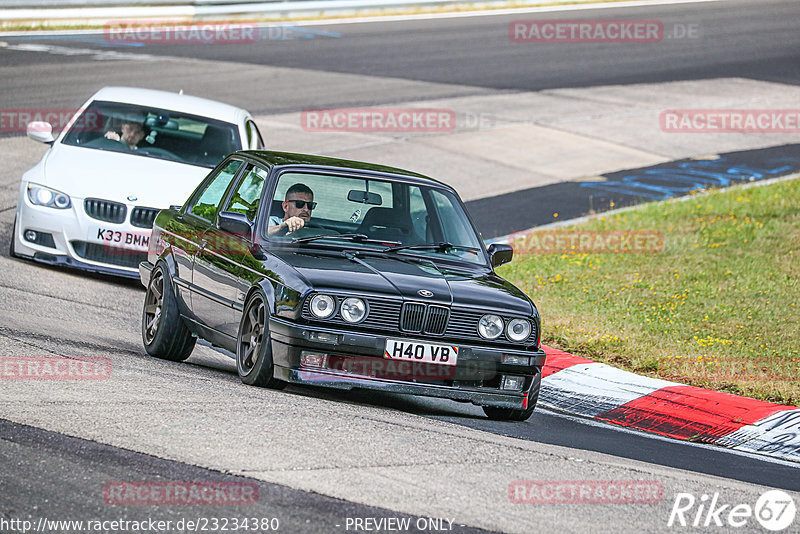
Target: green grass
716, 308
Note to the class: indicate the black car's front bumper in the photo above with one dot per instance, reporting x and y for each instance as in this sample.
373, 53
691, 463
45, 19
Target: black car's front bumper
350, 360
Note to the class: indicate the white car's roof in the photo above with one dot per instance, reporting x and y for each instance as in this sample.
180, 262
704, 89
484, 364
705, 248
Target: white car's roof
171, 101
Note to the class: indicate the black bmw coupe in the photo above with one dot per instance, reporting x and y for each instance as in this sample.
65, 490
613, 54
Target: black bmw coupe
342, 274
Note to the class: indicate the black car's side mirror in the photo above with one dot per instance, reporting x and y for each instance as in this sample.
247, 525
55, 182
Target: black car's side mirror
258, 252
235, 223
500, 253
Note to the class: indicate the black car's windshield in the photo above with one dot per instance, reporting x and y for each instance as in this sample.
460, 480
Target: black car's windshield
371, 213
154, 133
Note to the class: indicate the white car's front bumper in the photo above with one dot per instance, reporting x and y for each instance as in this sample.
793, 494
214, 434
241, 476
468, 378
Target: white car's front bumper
69, 237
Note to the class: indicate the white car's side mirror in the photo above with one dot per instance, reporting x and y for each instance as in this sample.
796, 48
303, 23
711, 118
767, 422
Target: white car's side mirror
41, 131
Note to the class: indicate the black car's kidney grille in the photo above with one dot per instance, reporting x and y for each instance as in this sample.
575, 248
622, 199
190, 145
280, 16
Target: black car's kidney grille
413, 317
424, 318
143, 217
437, 320
107, 254
105, 210
394, 316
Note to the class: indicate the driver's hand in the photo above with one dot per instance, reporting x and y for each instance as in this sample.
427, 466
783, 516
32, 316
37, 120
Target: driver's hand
114, 136
294, 223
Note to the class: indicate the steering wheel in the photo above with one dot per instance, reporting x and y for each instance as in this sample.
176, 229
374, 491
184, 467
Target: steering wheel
309, 230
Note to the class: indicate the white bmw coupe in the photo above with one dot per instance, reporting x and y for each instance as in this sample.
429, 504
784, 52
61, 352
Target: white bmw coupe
127, 153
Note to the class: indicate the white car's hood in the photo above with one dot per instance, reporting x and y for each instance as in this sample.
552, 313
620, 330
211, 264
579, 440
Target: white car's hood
85, 172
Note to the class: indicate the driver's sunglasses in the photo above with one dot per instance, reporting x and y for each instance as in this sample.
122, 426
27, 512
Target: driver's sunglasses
300, 203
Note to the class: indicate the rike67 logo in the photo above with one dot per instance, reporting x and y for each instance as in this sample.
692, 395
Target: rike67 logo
775, 511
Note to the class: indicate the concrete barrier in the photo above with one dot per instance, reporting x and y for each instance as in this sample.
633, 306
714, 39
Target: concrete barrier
37, 13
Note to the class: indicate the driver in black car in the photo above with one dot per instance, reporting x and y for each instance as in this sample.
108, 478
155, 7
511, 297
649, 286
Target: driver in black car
297, 207
131, 133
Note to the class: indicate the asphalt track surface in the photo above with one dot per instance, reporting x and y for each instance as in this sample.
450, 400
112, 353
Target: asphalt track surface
571, 200
742, 38
76, 465
751, 39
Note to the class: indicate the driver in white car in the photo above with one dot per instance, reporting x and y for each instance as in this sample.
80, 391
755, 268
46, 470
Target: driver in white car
297, 208
131, 133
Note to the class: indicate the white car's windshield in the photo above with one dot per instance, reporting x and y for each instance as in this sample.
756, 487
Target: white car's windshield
152, 132
358, 212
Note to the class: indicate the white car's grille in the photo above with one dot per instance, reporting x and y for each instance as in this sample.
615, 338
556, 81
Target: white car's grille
143, 217
105, 210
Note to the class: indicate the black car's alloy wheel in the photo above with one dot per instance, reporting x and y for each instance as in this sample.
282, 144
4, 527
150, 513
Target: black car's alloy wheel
163, 332
512, 414
253, 348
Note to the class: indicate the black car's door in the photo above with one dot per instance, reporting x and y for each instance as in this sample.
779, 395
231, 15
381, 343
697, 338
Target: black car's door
203, 212
220, 264
183, 232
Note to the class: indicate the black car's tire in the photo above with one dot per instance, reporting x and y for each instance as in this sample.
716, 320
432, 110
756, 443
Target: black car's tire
511, 414
164, 333
253, 347
11, 251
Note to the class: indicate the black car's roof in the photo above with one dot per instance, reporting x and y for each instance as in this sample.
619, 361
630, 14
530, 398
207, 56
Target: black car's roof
283, 159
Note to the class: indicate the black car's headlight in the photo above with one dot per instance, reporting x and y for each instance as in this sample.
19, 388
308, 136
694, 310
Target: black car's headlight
518, 329
44, 196
490, 326
353, 310
322, 306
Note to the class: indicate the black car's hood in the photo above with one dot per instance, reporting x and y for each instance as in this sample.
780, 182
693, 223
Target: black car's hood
396, 275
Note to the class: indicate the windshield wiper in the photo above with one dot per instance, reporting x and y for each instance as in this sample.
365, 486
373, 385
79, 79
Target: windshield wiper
359, 238
438, 247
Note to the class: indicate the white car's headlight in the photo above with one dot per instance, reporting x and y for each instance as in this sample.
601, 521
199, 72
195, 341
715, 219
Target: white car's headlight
353, 310
518, 329
44, 196
490, 326
322, 306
